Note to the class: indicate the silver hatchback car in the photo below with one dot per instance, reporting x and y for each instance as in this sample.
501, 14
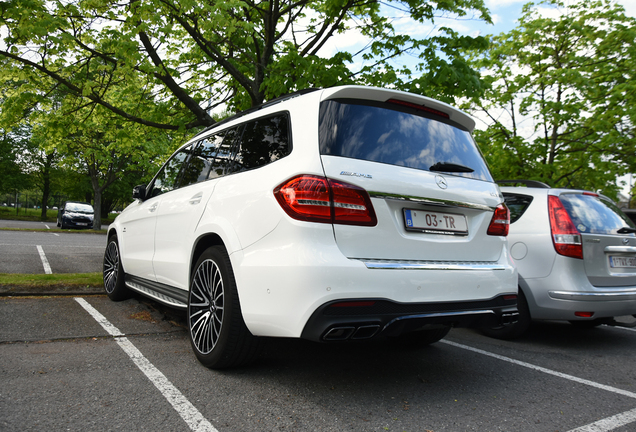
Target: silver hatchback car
575, 252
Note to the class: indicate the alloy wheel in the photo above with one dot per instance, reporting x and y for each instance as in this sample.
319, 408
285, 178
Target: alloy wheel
206, 308
111, 267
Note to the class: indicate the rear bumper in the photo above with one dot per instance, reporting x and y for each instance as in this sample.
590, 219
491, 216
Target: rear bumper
358, 319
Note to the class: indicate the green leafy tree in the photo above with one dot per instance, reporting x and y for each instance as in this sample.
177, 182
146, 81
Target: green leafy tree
12, 175
559, 105
190, 56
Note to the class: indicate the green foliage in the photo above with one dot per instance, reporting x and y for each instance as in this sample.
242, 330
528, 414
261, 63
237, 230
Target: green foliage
166, 63
558, 104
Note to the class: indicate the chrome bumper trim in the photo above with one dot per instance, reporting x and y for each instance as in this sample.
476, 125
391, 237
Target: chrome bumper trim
615, 295
431, 265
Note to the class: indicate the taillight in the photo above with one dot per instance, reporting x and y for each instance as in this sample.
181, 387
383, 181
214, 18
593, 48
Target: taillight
565, 236
500, 221
318, 199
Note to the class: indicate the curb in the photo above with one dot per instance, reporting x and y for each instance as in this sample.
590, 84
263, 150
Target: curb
48, 290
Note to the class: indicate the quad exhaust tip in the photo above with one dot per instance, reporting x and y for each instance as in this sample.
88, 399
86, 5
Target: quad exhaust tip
341, 333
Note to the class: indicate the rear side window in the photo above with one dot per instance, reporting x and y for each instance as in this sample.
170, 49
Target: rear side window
264, 141
387, 133
593, 215
518, 204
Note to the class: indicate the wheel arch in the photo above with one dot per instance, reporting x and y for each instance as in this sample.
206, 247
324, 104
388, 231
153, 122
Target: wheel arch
202, 243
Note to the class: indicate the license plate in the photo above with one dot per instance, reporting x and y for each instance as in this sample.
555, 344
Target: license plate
622, 262
435, 222
81, 223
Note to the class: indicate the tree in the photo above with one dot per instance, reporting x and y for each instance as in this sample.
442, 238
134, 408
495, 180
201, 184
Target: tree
190, 56
558, 108
12, 176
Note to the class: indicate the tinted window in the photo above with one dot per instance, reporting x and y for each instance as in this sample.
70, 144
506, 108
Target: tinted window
167, 178
388, 134
203, 164
517, 204
594, 215
263, 141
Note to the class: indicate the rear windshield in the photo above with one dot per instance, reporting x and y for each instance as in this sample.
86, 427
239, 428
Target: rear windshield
391, 134
594, 215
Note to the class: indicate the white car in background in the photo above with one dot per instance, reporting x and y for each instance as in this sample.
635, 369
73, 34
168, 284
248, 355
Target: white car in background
576, 256
348, 213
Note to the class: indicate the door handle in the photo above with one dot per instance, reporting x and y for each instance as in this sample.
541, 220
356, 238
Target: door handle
196, 199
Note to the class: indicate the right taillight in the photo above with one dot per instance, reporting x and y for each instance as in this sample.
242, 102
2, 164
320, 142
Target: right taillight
500, 222
565, 236
318, 199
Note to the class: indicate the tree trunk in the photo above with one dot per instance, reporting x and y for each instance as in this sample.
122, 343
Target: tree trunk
46, 183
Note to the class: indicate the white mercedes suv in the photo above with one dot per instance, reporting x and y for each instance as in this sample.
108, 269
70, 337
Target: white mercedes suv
338, 214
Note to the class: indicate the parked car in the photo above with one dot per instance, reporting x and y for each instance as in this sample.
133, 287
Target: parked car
340, 214
576, 256
75, 215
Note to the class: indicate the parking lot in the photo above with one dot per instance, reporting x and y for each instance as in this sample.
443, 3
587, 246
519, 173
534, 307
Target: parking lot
86, 363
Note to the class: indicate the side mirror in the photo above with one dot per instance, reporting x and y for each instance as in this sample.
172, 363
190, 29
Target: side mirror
139, 192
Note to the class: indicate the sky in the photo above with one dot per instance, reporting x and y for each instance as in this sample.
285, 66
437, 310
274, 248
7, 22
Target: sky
504, 14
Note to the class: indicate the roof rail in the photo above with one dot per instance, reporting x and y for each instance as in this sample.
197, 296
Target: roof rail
258, 107
528, 183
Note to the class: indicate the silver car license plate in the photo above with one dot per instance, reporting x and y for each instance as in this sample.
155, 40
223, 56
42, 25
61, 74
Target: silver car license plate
435, 222
622, 262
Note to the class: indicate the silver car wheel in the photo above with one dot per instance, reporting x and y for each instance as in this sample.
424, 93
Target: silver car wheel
206, 306
111, 267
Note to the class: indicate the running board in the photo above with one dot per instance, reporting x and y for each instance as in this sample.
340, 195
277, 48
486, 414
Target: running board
165, 294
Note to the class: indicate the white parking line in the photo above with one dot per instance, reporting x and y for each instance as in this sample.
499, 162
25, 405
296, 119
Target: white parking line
609, 423
45, 262
186, 410
604, 425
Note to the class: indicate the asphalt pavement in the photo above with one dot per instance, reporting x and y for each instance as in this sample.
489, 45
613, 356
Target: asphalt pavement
87, 363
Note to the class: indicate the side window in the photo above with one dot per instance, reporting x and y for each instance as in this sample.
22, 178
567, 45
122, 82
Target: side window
167, 178
517, 204
202, 163
264, 140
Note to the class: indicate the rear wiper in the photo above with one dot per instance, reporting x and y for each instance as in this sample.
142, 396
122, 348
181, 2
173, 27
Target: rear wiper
450, 167
626, 230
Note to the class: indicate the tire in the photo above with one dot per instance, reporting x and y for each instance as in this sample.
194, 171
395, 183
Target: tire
218, 334
512, 331
113, 272
420, 338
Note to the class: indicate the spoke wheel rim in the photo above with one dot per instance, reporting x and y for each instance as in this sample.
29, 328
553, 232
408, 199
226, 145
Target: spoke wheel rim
206, 308
111, 267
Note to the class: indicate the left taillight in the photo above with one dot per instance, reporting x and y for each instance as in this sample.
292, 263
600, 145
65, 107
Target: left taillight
500, 222
319, 199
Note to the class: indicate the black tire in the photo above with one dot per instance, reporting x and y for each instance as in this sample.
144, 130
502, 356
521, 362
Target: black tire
420, 338
512, 331
218, 334
113, 272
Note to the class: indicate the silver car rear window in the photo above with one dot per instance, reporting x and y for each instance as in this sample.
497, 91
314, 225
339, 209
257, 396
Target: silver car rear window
391, 134
594, 215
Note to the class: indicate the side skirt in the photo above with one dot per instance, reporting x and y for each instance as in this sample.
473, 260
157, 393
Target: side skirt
162, 293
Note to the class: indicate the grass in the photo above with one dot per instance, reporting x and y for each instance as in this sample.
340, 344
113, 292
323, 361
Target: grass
27, 214
46, 280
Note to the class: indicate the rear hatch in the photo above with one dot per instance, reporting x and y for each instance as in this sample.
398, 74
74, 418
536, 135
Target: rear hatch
608, 237
430, 188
